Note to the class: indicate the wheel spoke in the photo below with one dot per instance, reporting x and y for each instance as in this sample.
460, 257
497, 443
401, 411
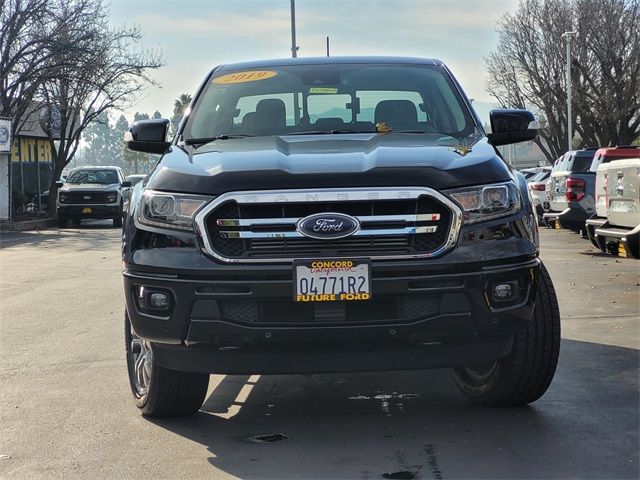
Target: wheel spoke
142, 359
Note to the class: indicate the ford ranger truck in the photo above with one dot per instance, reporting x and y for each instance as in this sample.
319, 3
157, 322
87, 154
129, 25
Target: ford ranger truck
619, 232
599, 165
334, 215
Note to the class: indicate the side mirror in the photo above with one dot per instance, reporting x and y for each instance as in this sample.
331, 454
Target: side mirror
126, 184
59, 184
512, 126
148, 136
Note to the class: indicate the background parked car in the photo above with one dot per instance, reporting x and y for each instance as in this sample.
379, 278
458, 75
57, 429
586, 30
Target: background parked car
570, 190
135, 178
619, 231
602, 157
531, 172
537, 187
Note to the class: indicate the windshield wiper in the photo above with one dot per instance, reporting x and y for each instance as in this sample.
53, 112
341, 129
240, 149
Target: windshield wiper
329, 132
410, 131
226, 136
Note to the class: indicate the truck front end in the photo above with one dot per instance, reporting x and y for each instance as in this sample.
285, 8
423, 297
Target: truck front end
333, 215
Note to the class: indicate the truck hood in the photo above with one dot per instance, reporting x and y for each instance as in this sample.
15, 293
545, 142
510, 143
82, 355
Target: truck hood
89, 187
317, 161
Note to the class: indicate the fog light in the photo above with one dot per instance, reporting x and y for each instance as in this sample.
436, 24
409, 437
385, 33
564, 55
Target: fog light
503, 291
150, 300
158, 300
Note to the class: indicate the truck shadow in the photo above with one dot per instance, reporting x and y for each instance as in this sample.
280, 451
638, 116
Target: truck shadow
417, 425
95, 235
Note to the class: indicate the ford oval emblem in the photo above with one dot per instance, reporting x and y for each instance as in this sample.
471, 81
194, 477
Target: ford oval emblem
328, 226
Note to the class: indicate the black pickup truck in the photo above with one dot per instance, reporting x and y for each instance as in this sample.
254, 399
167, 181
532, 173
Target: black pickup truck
331, 215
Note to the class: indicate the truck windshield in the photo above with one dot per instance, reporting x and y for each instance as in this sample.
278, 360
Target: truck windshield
332, 99
582, 162
105, 177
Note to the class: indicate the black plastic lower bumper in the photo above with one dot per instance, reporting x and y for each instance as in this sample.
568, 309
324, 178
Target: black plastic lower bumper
360, 358
89, 211
252, 325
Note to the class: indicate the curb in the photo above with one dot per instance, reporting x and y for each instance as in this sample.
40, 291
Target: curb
28, 225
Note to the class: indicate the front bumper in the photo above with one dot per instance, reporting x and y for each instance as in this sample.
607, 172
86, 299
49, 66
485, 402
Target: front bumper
97, 211
456, 323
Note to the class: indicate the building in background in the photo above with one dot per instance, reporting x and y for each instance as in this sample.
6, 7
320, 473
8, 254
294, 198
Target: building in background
26, 166
5, 179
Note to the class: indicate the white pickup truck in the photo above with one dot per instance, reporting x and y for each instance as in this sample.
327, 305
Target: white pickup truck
619, 232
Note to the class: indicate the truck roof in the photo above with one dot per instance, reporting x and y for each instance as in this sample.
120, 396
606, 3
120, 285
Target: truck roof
95, 167
282, 62
618, 151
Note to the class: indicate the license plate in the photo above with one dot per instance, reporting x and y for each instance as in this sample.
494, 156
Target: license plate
86, 210
332, 280
624, 206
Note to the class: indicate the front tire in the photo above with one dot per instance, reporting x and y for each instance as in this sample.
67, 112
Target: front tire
159, 391
117, 221
524, 375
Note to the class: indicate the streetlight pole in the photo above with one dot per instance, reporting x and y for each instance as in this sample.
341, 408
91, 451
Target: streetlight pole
513, 94
567, 37
294, 54
294, 47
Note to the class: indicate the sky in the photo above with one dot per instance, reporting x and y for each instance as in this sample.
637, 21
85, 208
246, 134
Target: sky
197, 35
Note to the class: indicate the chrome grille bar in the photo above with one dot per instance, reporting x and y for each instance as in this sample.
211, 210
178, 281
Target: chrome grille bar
250, 222
359, 233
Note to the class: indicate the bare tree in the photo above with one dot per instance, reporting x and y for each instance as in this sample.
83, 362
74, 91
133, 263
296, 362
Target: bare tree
527, 69
606, 71
29, 37
98, 70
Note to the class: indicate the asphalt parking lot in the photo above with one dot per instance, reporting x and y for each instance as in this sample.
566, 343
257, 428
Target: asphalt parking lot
66, 413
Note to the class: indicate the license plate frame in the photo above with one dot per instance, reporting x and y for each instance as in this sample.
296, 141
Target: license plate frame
326, 291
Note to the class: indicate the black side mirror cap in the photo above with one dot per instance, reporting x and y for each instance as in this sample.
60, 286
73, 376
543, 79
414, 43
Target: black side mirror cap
512, 126
148, 136
59, 183
126, 184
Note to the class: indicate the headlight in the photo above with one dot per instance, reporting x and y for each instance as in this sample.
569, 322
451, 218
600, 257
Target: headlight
112, 196
486, 202
169, 210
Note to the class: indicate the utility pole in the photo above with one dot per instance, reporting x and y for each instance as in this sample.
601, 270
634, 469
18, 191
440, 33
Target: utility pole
327, 45
294, 47
510, 102
294, 54
567, 37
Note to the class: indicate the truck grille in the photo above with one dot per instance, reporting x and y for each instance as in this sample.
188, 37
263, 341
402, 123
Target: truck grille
86, 197
254, 226
386, 309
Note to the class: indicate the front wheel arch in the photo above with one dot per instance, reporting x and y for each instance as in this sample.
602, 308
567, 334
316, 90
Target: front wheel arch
525, 374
